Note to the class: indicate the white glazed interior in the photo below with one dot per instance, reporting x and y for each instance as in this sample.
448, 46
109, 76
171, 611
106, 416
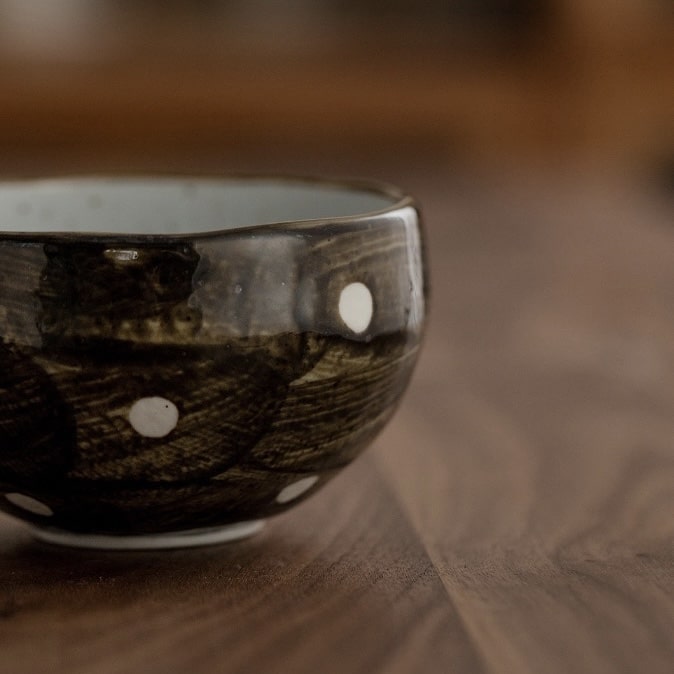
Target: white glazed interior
174, 206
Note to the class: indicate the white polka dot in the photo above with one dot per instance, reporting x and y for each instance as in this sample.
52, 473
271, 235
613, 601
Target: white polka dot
29, 503
296, 489
153, 417
355, 306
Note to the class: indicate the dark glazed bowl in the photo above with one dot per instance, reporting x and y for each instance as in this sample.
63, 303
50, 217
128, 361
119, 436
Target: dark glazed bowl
183, 357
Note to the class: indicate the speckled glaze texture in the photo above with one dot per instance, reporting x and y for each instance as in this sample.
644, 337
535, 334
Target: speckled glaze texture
155, 384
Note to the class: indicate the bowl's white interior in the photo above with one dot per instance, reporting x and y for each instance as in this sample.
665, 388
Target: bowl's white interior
173, 206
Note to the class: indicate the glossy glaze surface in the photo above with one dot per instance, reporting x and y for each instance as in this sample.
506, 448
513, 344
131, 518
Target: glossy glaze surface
161, 383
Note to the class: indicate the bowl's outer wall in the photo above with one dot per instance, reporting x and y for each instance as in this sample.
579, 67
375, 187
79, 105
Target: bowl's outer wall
240, 332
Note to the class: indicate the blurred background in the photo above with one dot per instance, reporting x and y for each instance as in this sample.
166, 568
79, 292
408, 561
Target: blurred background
357, 87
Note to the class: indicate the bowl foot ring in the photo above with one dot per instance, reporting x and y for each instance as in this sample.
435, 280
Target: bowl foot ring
175, 539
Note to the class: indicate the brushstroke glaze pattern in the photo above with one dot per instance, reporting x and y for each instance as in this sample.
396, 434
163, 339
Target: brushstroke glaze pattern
156, 384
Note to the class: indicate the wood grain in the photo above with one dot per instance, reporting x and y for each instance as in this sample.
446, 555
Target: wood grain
517, 515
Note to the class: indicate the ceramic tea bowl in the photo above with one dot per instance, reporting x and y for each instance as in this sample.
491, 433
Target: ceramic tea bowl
181, 358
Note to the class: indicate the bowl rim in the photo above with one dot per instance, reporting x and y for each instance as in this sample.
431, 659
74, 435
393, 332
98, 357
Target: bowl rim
400, 199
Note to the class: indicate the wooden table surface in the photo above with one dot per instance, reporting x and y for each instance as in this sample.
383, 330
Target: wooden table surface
516, 516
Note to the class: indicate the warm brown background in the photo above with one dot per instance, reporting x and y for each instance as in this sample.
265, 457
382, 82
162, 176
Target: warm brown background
518, 513
473, 82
